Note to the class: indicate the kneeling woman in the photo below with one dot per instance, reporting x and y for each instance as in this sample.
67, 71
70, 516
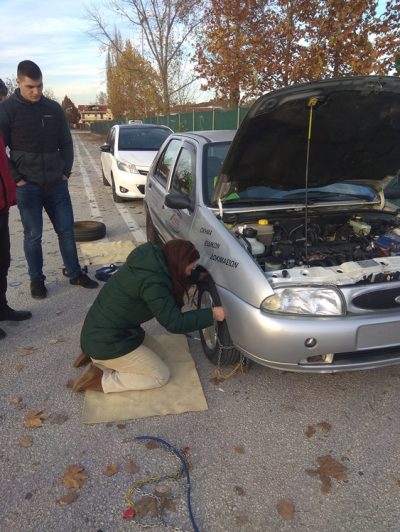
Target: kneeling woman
152, 284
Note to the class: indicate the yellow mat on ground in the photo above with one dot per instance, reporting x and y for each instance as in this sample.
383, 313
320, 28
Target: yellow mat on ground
106, 252
183, 392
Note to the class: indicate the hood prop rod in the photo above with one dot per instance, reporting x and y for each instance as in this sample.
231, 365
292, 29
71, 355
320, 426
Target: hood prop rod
312, 102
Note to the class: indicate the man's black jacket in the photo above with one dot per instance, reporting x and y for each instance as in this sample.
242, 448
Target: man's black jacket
41, 149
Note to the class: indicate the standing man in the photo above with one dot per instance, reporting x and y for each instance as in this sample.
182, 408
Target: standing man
7, 198
41, 157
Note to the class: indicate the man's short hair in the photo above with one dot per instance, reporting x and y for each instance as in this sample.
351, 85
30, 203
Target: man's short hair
28, 69
3, 88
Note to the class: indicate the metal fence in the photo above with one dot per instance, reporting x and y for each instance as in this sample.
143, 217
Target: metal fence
189, 121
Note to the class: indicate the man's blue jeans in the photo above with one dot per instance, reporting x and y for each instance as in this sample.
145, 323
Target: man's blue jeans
56, 201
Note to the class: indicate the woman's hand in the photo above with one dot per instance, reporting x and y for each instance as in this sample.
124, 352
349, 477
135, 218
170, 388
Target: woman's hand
218, 313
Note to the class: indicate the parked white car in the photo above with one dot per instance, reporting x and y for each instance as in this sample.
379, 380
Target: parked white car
127, 155
293, 225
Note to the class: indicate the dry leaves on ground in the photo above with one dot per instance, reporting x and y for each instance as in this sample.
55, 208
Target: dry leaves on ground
34, 420
25, 351
74, 476
54, 341
121, 426
152, 444
26, 442
328, 468
19, 367
68, 498
285, 509
110, 470
312, 429
239, 491
132, 468
18, 402
239, 449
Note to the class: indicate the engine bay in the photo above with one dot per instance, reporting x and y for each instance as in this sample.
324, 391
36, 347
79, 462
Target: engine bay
335, 247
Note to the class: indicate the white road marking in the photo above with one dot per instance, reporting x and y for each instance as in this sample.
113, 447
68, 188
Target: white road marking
134, 228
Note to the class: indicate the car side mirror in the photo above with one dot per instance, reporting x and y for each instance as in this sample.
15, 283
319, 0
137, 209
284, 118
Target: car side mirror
175, 200
105, 147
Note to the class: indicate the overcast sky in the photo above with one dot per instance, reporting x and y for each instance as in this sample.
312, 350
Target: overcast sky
52, 33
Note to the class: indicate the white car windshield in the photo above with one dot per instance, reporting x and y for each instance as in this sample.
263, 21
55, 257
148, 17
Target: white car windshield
141, 139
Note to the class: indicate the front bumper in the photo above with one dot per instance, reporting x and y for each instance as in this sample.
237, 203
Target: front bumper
280, 342
133, 185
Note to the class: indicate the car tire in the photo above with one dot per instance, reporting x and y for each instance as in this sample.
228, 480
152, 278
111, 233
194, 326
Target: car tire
116, 198
208, 296
87, 231
151, 232
105, 182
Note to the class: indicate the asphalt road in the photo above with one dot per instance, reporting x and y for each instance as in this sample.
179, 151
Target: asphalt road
328, 445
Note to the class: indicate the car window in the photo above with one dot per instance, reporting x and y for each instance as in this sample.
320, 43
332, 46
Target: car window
166, 161
183, 179
214, 155
141, 139
111, 139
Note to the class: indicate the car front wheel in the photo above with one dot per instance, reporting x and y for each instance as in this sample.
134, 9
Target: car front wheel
116, 198
215, 340
151, 232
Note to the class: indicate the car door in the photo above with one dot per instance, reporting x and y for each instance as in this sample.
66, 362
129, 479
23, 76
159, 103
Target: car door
182, 185
108, 157
157, 186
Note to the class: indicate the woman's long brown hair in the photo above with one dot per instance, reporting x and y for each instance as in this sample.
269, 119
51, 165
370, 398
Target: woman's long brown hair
178, 255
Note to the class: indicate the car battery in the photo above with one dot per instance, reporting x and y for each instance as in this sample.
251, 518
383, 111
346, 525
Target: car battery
390, 243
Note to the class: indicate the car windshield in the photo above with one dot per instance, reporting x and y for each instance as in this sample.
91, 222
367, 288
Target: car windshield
336, 192
214, 155
141, 139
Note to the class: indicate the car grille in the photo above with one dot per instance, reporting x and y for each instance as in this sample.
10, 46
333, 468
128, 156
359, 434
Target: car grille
378, 300
367, 355
143, 172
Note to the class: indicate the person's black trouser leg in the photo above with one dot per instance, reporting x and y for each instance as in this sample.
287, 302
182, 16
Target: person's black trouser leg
4, 255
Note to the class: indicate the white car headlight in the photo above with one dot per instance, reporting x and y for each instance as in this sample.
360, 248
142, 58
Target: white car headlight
305, 300
127, 167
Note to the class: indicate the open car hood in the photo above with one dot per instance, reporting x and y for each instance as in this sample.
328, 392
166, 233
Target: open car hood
351, 127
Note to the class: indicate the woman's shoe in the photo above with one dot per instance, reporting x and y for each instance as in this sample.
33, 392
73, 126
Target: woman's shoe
89, 380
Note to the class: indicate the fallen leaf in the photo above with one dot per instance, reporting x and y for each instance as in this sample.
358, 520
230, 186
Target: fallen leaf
74, 476
152, 444
18, 402
242, 519
58, 312
310, 431
168, 504
67, 499
131, 467
216, 380
285, 509
328, 468
146, 505
239, 490
110, 470
34, 419
26, 442
121, 426
19, 367
69, 383
325, 426
162, 491
25, 351
239, 449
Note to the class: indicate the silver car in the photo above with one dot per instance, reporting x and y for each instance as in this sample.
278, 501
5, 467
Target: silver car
290, 218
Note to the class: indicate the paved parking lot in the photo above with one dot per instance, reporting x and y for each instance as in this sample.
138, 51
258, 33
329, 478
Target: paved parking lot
274, 451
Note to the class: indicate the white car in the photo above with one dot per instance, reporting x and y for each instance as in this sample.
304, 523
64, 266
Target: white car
127, 155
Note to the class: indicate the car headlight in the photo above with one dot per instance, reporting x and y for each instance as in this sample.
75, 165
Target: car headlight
127, 167
305, 300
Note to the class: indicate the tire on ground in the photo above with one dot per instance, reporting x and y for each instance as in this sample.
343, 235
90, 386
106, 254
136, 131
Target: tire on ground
87, 231
207, 293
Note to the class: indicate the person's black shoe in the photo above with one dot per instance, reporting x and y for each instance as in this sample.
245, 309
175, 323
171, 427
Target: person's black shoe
9, 314
2, 334
38, 289
84, 280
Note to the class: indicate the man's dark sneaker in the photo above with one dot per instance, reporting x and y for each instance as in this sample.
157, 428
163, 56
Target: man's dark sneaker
84, 280
9, 314
2, 334
38, 289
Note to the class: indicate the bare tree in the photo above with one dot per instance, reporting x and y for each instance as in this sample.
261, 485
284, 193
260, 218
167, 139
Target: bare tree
164, 27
